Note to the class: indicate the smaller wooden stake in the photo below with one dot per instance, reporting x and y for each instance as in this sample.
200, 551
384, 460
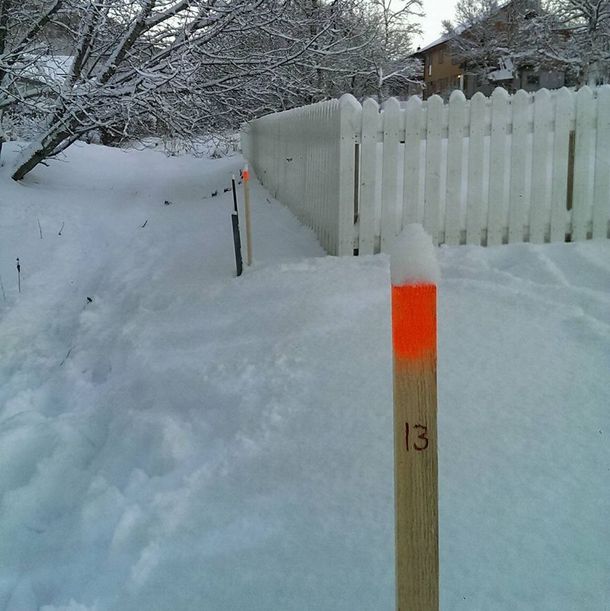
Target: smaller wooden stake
246, 178
18, 274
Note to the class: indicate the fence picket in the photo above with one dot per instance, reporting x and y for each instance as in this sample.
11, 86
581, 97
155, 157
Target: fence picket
389, 173
519, 197
432, 194
350, 116
496, 209
300, 161
330, 191
453, 199
308, 201
564, 116
368, 176
325, 224
601, 197
317, 220
328, 186
583, 196
412, 161
539, 210
478, 109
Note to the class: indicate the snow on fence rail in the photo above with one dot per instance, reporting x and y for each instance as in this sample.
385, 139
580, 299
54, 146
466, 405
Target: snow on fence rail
503, 169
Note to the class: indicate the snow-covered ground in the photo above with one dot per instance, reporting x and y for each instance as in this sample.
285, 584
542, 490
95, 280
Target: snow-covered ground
188, 440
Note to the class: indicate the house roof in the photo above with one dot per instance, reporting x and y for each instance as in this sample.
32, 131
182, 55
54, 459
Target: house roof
441, 40
435, 43
457, 31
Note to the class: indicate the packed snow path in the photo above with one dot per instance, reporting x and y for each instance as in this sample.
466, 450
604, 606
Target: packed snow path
187, 440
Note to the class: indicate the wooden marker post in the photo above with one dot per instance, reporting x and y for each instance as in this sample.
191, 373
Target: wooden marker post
415, 437
246, 179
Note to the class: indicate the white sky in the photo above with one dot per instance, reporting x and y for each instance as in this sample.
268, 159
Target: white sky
436, 11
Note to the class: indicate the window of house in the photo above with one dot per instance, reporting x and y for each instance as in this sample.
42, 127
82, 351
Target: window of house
430, 69
441, 56
533, 79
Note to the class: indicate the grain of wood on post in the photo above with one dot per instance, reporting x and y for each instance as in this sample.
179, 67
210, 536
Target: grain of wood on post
414, 278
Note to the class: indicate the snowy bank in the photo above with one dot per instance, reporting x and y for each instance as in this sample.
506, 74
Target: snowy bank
187, 440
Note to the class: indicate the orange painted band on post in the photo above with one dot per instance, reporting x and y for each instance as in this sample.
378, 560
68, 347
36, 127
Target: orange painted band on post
414, 321
245, 175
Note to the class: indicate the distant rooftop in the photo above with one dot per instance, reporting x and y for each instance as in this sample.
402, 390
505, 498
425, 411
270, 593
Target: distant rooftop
456, 32
446, 37
438, 41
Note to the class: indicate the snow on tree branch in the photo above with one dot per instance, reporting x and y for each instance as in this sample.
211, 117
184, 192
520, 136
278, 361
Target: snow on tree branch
184, 67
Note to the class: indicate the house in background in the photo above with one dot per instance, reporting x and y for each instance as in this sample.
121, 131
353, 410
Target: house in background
444, 73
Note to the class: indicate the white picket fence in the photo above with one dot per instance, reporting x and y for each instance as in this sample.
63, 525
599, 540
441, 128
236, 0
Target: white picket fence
504, 169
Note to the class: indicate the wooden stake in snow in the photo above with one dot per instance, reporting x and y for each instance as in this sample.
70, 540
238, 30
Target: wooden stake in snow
246, 178
18, 274
415, 274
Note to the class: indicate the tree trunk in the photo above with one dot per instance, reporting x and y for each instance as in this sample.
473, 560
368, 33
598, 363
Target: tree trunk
38, 152
61, 124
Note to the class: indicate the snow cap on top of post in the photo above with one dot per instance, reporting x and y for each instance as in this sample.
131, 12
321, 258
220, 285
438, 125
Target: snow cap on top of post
413, 258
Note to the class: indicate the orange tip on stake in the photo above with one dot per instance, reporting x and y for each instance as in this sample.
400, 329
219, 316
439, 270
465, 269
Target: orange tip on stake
414, 321
245, 174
